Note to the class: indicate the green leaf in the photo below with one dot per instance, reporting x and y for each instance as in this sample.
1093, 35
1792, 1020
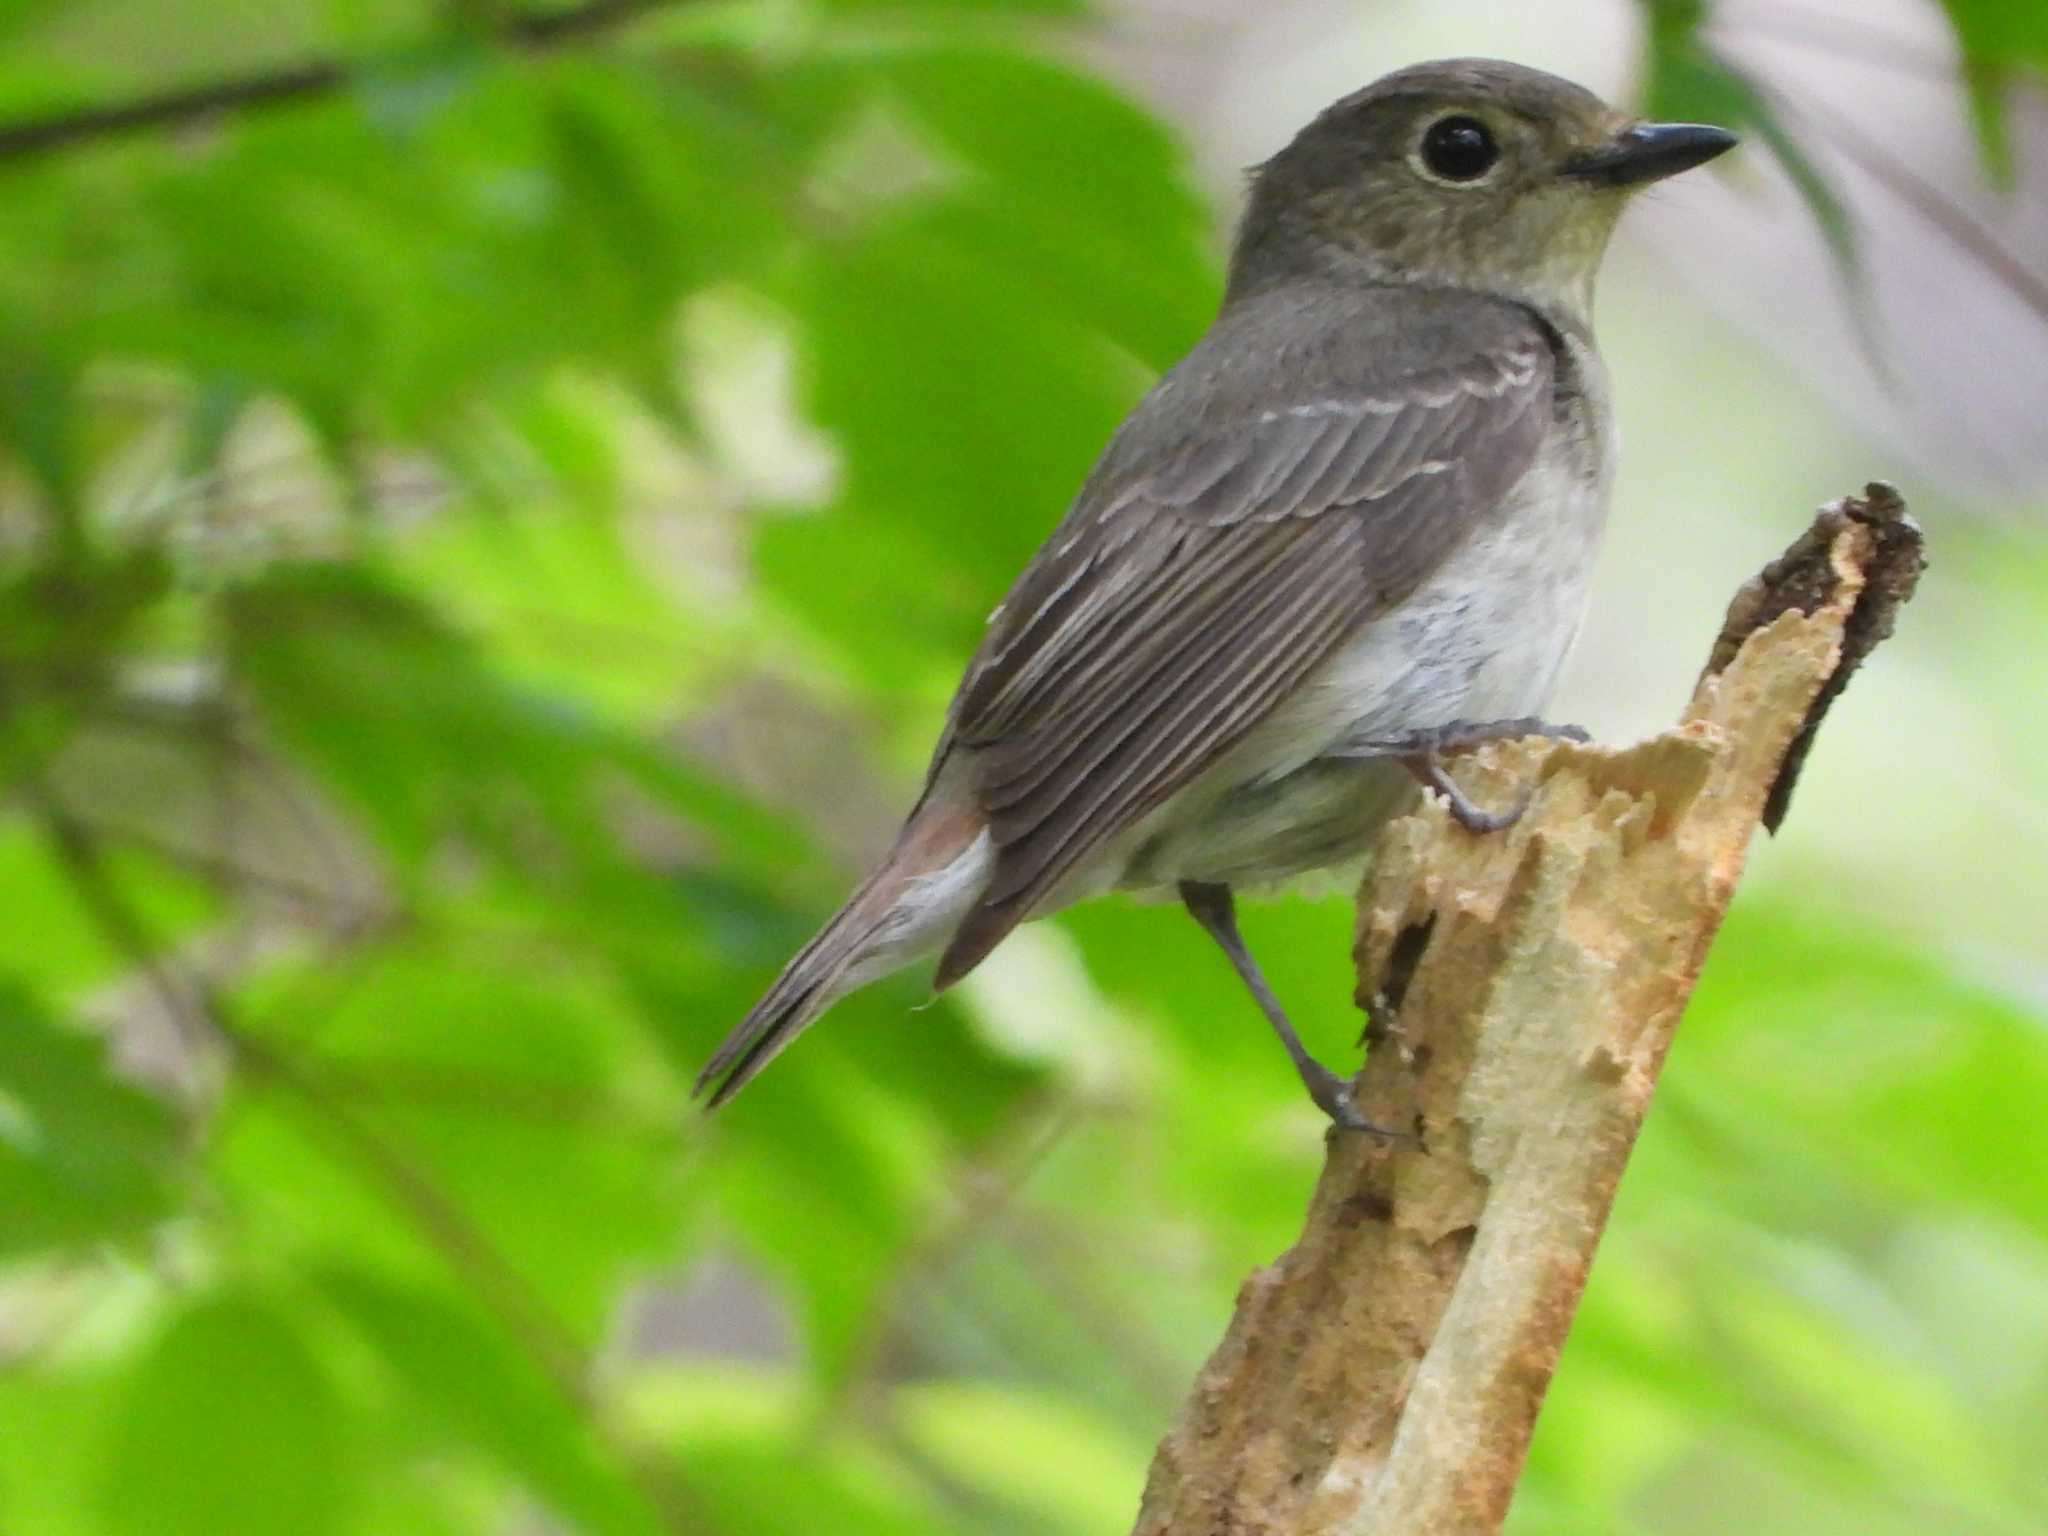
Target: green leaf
958, 11
1021, 296
518, 1088
998, 1438
908, 330
1074, 190
1853, 1053
411, 723
767, 1491
38, 419
758, 1466
1797, 1363
52, 1423
57, 948
83, 1157
2000, 43
229, 1424
61, 629
473, 1391
563, 601
827, 1180
19, 16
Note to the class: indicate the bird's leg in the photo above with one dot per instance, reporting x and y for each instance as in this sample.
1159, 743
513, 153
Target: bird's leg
1421, 753
1211, 906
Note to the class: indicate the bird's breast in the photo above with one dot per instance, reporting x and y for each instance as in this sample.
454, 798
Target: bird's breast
1483, 638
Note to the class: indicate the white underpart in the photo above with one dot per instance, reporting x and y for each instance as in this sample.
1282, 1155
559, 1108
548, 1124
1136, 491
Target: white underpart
924, 916
1483, 639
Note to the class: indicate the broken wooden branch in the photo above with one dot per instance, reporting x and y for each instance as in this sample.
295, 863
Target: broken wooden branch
1383, 1377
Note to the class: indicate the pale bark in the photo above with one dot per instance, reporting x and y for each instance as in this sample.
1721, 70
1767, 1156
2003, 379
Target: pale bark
1383, 1377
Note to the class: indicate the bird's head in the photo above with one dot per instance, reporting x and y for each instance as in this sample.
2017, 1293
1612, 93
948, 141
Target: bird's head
1466, 173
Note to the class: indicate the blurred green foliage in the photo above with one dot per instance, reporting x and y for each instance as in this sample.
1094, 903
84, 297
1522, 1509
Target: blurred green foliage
421, 681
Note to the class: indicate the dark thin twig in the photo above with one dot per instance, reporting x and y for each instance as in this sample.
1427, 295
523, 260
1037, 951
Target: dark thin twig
300, 82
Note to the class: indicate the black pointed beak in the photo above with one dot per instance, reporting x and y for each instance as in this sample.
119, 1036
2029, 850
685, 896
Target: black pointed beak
1650, 152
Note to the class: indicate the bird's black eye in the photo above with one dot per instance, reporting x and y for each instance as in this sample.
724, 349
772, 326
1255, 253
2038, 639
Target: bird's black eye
1459, 149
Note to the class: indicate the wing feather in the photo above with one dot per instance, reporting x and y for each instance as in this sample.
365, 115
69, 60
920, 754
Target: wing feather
1227, 547
1152, 756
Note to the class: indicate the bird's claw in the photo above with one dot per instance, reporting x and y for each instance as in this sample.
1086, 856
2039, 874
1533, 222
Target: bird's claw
1471, 733
1464, 811
1421, 752
1332, 1095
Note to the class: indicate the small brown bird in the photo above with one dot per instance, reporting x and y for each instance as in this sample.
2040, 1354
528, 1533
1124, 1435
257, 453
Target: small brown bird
1352, 528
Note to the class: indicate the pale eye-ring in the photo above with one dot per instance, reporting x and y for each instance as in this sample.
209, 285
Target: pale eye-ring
1459, 148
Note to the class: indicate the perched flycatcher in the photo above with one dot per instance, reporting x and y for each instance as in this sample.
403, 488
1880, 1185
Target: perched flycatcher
1352, 528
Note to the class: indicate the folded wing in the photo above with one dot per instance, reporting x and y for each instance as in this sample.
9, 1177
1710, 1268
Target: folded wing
1227, 546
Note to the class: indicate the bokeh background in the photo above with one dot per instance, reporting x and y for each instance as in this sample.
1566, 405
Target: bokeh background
493, 500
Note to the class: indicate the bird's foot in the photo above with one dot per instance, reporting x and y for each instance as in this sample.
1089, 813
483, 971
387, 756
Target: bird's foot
1421, 753
1213, 907
1464, 811
1460, 734
1332, 1095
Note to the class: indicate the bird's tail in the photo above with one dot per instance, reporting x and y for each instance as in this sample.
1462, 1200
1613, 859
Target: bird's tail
905, 908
